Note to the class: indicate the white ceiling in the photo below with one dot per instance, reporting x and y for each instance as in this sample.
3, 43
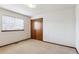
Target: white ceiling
24, 9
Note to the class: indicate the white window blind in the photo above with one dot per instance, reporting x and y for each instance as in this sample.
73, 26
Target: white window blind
12, 23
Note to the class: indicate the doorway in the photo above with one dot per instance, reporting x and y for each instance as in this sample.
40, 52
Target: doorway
37, 29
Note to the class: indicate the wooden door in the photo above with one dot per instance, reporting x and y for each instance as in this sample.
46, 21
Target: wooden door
37, 29
33, 32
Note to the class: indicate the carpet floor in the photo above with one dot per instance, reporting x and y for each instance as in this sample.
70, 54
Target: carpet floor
32, 46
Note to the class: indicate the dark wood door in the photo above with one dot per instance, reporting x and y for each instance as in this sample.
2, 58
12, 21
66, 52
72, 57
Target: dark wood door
37, 29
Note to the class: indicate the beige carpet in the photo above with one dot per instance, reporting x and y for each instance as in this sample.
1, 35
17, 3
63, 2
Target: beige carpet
32, 46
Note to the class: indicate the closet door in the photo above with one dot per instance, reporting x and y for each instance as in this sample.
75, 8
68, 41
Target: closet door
37, 29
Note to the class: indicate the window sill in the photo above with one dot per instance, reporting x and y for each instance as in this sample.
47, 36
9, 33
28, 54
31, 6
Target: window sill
10, 30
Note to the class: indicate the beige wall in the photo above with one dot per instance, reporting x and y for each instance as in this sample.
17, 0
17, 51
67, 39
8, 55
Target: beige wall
77, 27
10, 37
59, 26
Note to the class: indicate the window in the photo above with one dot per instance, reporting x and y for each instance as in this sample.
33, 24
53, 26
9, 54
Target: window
12, 24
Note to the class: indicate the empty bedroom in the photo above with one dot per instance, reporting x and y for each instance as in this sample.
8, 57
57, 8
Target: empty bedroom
39, 28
